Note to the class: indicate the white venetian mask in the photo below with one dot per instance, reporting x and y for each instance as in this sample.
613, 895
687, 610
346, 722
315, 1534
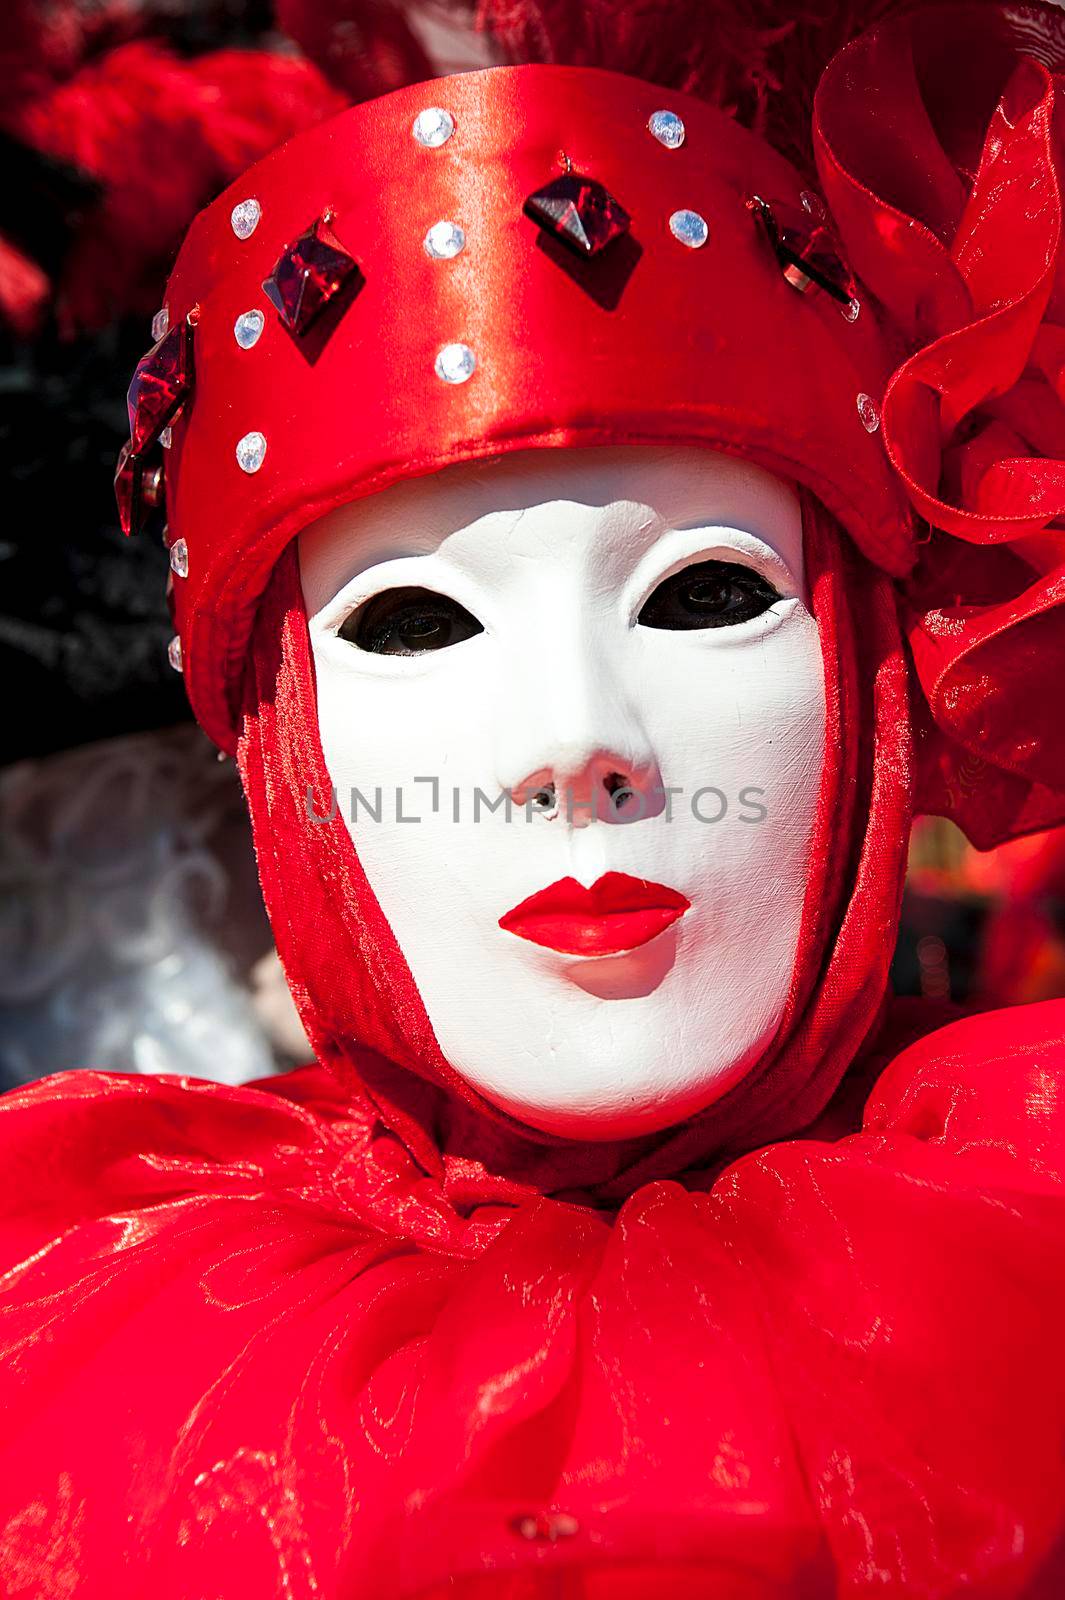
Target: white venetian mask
612, 646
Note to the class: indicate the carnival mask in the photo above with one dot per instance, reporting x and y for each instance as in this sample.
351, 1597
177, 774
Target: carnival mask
572, 705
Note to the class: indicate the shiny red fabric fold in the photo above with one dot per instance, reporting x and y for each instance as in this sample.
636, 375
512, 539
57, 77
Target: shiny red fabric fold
250, 1347
938, 139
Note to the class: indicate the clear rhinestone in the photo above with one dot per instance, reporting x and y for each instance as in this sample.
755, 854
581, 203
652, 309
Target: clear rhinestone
444, 240
869, 412
851, 309
667, 128
455, 363
433, 127
160, 324
813, 205
245, 218
173, 654
545, 1527
250, 452
690, 228
166, 438
179, 558
247, 328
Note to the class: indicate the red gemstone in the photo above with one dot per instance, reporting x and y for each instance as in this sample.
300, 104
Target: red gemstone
806, 248
161, 384
580, 212
307, 276
129, 478
139, 488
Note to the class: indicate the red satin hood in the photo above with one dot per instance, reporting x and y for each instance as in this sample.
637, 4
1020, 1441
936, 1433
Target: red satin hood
359, 1002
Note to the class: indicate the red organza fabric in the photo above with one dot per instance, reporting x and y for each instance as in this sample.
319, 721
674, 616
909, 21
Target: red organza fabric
250, 1347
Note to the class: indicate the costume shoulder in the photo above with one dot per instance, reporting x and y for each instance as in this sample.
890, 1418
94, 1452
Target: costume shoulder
179, 1263
79, 1145
912, 1278
988, 1085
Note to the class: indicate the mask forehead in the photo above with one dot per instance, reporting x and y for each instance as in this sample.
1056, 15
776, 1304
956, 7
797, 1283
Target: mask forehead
599, 509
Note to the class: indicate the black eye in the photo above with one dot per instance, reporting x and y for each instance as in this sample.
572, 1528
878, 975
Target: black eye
708, 594
408, 622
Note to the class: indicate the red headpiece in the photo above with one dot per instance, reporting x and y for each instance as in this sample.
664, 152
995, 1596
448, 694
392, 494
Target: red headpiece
521, 256
548, 255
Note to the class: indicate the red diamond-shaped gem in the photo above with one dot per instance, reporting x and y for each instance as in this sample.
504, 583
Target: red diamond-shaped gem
139, 487
129, 479
307, 275
580, 212
161, 384
805, 247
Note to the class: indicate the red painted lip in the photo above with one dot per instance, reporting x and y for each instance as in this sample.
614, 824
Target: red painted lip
617, 913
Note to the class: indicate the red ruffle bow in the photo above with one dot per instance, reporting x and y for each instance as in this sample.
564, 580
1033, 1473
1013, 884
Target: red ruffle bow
938, 143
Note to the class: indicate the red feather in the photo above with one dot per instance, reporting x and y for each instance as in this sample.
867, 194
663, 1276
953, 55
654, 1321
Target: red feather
162, 136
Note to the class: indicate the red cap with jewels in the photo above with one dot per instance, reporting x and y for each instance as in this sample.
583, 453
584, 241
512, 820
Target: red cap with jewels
510, 258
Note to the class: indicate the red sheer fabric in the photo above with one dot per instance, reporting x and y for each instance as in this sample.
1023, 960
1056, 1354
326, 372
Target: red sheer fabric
252, 1348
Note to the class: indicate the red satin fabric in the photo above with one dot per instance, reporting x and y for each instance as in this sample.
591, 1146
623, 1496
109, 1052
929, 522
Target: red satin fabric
250, 1348
938, 140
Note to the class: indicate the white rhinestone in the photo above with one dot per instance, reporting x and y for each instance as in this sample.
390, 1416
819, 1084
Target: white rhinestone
433, 127
160, 324
166, 438
851, 309
455, 363
179, 558
444, 240
667, 128
247, 328
250, 452
690, 228
813, 205
245, 218
173, 654
869, 412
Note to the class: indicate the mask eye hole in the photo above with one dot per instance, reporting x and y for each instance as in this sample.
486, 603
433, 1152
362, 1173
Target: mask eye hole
708, 594
408, 622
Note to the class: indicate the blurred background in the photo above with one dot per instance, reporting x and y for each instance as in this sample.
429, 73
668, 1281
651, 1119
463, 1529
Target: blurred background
132, 936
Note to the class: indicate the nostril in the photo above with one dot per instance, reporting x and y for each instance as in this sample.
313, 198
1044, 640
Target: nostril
545, 799
618, 788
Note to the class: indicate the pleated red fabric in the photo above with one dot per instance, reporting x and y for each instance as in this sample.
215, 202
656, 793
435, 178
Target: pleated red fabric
251, 1347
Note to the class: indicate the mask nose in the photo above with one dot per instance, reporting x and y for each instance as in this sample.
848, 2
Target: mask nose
599, 791
574, 750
